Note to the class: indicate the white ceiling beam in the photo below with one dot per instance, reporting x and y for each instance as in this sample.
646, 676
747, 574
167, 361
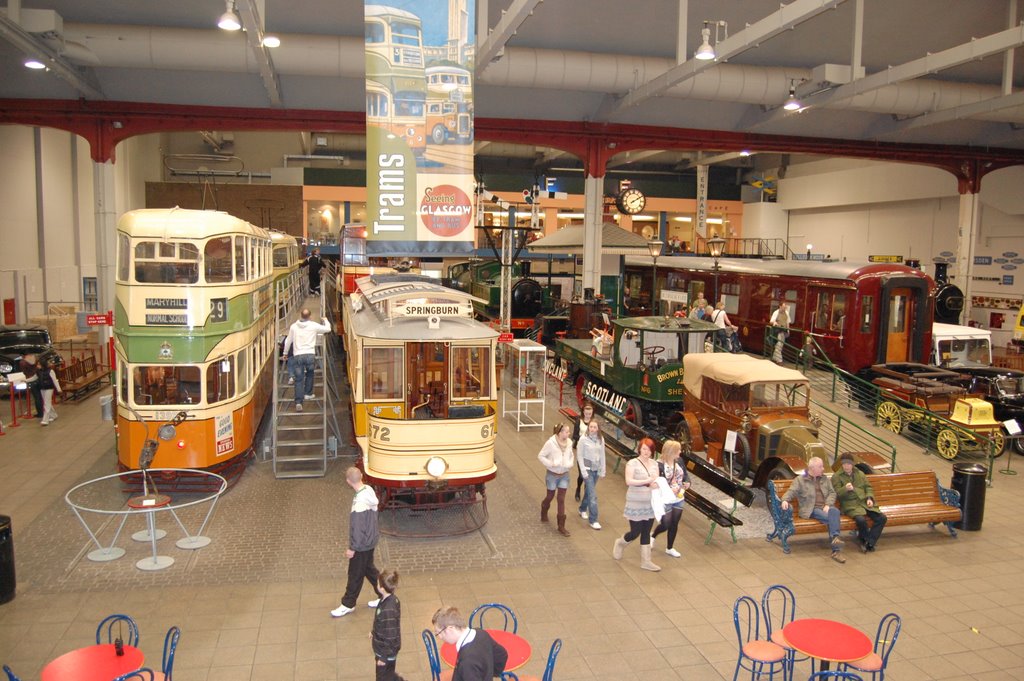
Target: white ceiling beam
976, 49
512, 18
784, 19
253, 25
956, 113
632, 157
713, 160
81, 80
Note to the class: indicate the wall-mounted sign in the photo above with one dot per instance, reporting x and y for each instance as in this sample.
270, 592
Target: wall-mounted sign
985, 279
886, 258
983, 260
1000, 261
1010, 254
1009, 267
1018, 261
948, 254
1007, 280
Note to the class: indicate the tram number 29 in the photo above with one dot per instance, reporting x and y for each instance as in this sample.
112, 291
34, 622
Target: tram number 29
380, 433
218, 309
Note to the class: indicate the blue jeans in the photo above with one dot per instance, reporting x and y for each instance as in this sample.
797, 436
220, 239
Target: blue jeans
303, 367
831, 519
589, 502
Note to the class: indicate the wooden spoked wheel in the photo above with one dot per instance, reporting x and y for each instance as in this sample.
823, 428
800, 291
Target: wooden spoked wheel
890, 416
947, 442
998, 444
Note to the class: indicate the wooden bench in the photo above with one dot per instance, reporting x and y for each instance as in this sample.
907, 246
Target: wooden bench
81, 377
905, 499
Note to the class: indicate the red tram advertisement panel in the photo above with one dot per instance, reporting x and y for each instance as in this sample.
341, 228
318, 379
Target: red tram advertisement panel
859, 314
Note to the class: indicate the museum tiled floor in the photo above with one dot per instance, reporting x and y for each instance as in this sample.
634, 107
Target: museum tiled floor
254, 604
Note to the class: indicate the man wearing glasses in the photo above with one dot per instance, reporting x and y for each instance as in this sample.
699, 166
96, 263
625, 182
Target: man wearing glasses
480, 658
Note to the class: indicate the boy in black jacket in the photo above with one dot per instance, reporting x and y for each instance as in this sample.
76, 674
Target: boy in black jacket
386, 636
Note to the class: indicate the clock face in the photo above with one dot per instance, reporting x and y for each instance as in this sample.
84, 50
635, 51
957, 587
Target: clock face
631, 201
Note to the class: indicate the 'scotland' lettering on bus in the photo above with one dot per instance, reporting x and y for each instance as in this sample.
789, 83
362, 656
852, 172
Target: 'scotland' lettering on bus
391, 193
607, 397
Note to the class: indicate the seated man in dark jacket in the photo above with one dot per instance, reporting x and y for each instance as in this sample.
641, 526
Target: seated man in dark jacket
480, 658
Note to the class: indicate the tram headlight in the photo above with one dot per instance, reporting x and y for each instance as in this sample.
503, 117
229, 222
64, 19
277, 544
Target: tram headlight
436, 467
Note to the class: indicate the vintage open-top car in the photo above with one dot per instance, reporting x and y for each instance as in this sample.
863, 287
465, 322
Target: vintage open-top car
1003, 388
935, 401
767, 405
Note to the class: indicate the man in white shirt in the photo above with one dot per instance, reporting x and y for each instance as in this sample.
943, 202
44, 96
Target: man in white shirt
302, 337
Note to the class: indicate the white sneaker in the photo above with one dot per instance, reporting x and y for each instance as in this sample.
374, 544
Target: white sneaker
596, 525
373, 604
291, 380
298, 407
309, 397
584, 515
673, 553
341, 611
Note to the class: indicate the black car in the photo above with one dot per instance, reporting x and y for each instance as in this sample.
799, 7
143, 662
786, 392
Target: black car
1004, 388
16, 342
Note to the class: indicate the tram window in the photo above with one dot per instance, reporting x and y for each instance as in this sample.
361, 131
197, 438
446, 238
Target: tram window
166, 263
281, 257
383, 372
220, 380
403, 33
243, 372
123, 257
217, 255
409, 103
471, 372
145, 250
374, 33
123, 380
821, 312
867, 309
166, 385
898, 314
240, 257
376, 105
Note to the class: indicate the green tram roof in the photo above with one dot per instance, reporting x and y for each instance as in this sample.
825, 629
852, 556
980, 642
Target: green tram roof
665, 324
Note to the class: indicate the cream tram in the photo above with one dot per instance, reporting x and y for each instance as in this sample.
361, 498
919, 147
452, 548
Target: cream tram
193, 335
423, 390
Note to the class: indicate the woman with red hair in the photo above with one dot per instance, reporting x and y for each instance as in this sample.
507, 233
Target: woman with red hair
641, 479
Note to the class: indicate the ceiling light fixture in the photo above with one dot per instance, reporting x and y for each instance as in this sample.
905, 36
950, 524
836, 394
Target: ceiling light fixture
706, 51
230, 21
792, 103
271, 40
33, 63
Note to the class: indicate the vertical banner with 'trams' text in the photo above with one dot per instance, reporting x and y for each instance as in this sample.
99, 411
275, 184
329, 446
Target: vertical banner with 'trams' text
420, 56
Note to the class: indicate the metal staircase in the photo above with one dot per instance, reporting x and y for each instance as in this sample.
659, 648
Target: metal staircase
302, 442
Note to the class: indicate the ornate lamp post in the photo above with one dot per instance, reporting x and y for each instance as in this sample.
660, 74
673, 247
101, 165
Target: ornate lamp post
654, 247
716, 245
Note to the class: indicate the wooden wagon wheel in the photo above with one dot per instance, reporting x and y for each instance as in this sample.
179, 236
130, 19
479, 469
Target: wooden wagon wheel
948, 443
890, 416
998, 443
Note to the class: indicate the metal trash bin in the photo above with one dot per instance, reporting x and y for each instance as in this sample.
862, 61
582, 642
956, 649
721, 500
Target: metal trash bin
970, 480
107, 407
7, 581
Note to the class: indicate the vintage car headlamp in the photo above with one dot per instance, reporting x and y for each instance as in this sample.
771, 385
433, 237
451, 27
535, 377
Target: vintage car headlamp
815, 418
436, 466
6, 368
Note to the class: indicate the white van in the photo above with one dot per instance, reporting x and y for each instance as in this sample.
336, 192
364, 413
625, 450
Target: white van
961, 346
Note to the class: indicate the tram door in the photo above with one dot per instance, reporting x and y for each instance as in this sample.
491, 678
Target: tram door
427, 369
898, 325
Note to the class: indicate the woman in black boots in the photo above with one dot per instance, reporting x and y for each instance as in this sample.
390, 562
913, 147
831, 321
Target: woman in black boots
557, 457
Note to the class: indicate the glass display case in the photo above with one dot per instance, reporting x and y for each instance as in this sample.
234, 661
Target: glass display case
523, 385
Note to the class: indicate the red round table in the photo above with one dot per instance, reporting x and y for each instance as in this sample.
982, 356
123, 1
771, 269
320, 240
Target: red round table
518, 648
827, 640
94, 663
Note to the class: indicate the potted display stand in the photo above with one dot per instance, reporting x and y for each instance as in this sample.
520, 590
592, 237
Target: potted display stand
524, 384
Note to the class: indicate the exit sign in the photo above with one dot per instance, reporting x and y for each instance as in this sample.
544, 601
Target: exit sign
505, 337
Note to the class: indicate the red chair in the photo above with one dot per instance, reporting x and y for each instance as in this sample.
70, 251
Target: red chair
885, 640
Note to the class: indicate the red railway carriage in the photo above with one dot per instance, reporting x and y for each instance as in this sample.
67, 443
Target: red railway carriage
860, 314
